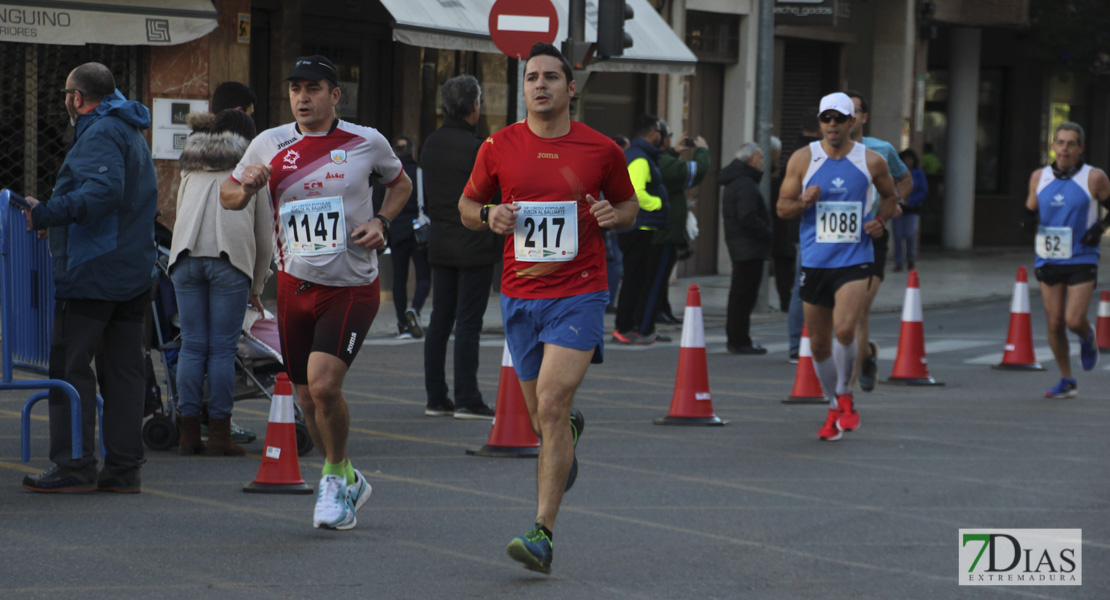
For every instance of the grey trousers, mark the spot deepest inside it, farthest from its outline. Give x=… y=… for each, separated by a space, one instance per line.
x=112 y=333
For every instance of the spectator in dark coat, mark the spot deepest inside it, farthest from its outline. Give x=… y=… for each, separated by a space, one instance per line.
x=404 y=246
x=462 y=259
x=682 y=169
x=747 y=225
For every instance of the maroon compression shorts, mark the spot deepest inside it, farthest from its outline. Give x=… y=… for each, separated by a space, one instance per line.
x=321 y=318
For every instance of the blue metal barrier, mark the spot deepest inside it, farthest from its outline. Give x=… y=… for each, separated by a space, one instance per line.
x=26 y=314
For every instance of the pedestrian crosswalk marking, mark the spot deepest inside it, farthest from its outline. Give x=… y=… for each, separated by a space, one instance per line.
x=937 y=347
x=715 y=344
x=1043 y=354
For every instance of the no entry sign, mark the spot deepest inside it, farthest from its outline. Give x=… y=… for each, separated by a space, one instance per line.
x=515 y=25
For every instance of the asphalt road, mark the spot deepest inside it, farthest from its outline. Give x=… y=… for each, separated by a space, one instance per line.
x=756 y=509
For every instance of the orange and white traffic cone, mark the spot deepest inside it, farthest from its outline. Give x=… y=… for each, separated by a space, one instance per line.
x=1019 y=354
x=1102 y=326
x=511 y=435
x=280 y=471
x=692 y=403
x=807 y=388
x=910 y=366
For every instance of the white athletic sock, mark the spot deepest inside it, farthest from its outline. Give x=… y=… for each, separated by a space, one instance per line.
x=826 y=374
x=845 y=359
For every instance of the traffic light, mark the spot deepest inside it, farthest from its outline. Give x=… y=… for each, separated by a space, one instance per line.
x=611 y=38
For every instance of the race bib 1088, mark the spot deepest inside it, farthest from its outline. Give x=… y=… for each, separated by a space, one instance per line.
x=839 y=222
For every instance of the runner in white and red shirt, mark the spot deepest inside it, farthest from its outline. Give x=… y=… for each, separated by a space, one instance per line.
x=554 y=289
x=316 y=174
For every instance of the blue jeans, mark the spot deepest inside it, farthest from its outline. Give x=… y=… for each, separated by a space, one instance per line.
x=905 y=232
x=796 y=317
x=614 y=264
x=212 y=298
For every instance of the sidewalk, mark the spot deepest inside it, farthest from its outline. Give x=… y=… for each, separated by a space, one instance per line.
x=947 y=278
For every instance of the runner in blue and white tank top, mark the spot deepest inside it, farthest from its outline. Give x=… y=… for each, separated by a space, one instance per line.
x=1065 y=196
x=1067 y=210
x=828 y=184
x=831 y=231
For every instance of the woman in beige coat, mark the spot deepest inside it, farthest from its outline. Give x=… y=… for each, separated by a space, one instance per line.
x=219 y=261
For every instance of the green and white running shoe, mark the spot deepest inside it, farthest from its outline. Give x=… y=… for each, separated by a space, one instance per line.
x=333 y=506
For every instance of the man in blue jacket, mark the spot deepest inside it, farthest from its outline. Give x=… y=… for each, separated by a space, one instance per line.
x=635 y=323
x=101 y=223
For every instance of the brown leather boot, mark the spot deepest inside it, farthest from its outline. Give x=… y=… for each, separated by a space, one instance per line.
x=219 y=439
x=189 y=443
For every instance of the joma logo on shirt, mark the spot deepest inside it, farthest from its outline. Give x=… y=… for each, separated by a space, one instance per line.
x=547 y=155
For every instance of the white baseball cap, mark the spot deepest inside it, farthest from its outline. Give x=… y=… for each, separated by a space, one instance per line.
x=840 y=102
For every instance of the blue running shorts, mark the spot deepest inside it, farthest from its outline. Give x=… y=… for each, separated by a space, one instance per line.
x=576 y=322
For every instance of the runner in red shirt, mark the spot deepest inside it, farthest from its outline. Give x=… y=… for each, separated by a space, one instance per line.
x=554 y=289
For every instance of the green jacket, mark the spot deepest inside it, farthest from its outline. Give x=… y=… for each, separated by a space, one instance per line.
x=678 y=176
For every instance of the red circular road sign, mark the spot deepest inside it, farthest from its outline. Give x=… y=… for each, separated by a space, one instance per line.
x=515 y=25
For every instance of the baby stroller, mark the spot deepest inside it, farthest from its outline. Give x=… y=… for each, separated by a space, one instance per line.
x=257 y=361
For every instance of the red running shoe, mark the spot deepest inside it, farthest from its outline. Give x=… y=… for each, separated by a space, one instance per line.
x=830 y=432
x=849 y=418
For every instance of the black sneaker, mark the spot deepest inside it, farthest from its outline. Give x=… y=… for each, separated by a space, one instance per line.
x=124 y=482
x=413 y=319
x=577 y=424
x=869 y=369
x=480 y=412
x=62 y=479
x=442 y=409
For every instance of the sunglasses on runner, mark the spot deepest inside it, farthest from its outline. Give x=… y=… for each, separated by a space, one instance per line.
x=831 y=116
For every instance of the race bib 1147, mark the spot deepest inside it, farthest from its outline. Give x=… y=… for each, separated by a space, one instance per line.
x=315 y=226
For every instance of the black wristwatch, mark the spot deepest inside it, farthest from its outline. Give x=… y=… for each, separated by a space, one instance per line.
x=484 y=214
x=385 y=227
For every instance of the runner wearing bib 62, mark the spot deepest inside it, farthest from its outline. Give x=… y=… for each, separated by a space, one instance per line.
x=316 y=173
x=1064 y=197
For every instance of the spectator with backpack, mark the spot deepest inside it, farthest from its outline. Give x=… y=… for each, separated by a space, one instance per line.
x=905 y=227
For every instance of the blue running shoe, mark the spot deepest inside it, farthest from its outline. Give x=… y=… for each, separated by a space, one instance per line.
x=533 y=550
x=577 y=424
x=1088 y=351
x=1067 y=388
x=359 y=491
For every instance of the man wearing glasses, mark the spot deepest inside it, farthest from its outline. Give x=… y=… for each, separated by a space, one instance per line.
x=828 y=183
x=101 y=222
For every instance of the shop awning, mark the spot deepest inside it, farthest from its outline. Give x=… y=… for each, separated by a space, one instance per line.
x=464 y=25
x=119 y=22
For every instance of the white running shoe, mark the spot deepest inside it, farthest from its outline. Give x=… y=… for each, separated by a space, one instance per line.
x=333 y=505
x=359 y=491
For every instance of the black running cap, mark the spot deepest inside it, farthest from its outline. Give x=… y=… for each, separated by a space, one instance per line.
x=314 y=68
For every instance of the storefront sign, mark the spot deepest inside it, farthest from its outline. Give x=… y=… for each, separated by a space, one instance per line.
x=170 y=128
x=810 y=12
